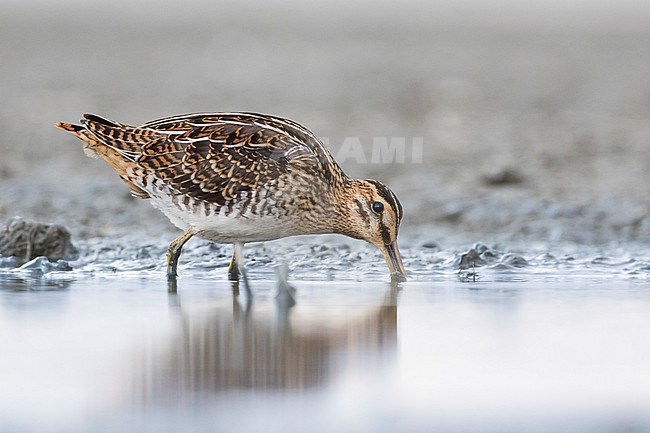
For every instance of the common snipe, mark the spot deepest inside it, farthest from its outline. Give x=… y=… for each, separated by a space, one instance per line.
x=243 y=177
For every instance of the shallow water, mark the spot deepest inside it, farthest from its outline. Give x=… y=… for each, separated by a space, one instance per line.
x=519 y=349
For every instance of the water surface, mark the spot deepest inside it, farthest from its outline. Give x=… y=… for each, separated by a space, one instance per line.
x=510 y=352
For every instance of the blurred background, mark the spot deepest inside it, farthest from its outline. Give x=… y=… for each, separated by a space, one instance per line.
x=534 y=116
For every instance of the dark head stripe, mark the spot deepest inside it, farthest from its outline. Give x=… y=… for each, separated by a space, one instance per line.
x=399 y=209
x=390 y=198
x=385 y=234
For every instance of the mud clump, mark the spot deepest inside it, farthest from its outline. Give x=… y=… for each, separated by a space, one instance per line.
x=43 y=265
x=482 y=255
x=27 y=240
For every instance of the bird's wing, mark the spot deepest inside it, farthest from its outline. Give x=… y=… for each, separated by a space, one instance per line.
x=215 y=156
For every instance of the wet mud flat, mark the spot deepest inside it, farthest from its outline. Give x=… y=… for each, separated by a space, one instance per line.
x=45 y=251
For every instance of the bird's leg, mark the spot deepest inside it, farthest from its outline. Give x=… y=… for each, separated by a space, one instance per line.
x=174 y=252
x=240 y=265
x=233 y=270
x=285 y=298
x=172 y=286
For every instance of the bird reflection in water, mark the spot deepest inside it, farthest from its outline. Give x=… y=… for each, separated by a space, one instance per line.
x=221 y=345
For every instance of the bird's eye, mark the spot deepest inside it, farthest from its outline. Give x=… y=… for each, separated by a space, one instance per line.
x=378 y=207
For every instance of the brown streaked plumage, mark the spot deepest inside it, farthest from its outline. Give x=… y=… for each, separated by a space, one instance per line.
x=243 y=177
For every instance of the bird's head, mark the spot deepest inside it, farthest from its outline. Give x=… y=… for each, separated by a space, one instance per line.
x=372 y=212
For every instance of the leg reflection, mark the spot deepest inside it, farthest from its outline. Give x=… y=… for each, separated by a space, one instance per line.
x=223 y=344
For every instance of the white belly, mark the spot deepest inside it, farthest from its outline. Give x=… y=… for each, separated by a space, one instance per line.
x=221 y=226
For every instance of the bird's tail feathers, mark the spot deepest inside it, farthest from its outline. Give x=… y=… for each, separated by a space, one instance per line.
x=81 y=132
x=70 y=127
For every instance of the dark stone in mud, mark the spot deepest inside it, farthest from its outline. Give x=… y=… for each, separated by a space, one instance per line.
x=513 y=260
x=505 y=176
x=432 y=245
x=469 y=259
x=482 y=248
x=482 y=255
x=27 y=240
x=479 y=255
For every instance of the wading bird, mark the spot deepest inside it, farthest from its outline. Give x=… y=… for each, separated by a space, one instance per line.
x=243 y=177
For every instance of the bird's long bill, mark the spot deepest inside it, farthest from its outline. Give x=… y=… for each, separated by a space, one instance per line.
x=394 y=261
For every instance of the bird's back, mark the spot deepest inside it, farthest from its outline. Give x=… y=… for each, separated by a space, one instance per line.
x=229 y=164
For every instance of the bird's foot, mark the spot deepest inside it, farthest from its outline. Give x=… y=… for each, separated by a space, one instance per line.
x=233 y=272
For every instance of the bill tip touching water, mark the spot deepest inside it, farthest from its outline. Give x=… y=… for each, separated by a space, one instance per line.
x=237 y=178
